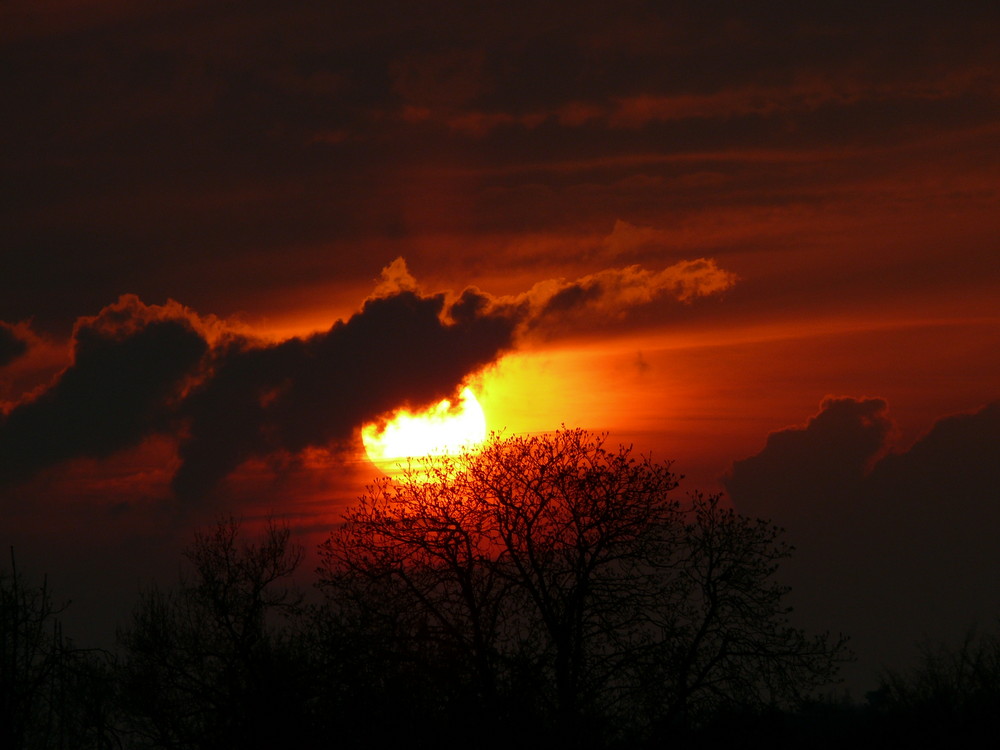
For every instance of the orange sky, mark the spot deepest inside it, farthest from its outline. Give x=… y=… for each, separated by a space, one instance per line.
x=685 y=226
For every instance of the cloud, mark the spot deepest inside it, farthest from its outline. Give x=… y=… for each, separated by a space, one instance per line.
x=400 y=349
x=626 y=238
x=806 y=93
x=801 y=470
x=938 y=499
x=561 y=306
x=226 y=397
x=891 y=546
x=395 y=278
x=596 y=300
x=129 y=362
x=12 y=346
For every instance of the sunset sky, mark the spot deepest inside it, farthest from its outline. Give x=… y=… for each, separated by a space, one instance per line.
x=761 y=240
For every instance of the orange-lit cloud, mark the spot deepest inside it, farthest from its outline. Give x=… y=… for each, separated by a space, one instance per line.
x=807 y=93
x=126 y=374
x=395 y=278
x=683 y=223
x=140 y=370
x=612 y=293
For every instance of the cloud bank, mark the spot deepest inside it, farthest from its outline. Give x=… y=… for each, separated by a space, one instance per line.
x=892 y=546
x=142 y=370
x=126 y=372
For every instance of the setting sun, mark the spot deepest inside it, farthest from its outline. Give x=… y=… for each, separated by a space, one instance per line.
x=440 y=430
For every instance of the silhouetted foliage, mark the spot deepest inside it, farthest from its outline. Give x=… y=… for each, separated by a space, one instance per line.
x=953 y=695
x=550 y=584
x=211 y=664
x=52 y=695
x=543 y=590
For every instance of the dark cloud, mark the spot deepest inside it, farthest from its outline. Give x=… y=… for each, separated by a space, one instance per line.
x=143 y=369
x=572 y=296
x=937 y=508
x=12 y=346
x=802 y=471
x=404 y=348
x=398 y=350
x=125 y=372
x=891 y=546
x=138 y=370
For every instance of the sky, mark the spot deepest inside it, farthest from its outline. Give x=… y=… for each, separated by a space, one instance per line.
x=759 y=240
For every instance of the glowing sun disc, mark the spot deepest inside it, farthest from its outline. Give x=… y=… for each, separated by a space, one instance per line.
x=440 y=430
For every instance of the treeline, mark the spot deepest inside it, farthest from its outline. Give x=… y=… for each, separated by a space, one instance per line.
x=543 y=591
x=192 y=673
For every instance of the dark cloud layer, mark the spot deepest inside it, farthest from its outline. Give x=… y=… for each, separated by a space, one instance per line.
x=140 y=370
x=118 y=390
x=261 y=159
x=132 y=125
x=12 y=346
x=891 y=546
x=317 y=391
x=804 y=474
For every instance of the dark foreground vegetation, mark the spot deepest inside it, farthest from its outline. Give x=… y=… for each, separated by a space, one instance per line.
x=545 y=591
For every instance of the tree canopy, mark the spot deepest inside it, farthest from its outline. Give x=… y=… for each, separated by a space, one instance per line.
x=554 y=575
x=214 y=663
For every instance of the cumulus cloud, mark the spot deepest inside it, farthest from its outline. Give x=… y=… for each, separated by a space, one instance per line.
x=126 y=370
x=129 y=315
x=892 y=546
x=403 y=348
x=317 y=391
x=801 y=470
x=558 y=305
x=395 y=278
x=140 y=370
x=938 y=500
x=225 y=397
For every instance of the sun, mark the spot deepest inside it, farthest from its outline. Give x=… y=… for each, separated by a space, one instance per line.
x=440 y=430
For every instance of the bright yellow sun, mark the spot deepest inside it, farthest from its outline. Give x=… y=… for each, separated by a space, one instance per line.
x=440 y=430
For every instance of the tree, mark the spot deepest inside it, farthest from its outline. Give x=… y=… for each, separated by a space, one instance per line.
x=212 y=663
x=550 y=571
x=950 y=698
x=52 y=694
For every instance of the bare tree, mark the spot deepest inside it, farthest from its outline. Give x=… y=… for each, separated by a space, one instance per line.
x=28 y=652
x=52 y=694
x=209 y=663
x=724 y=637
x=551 y=570
x=949 y=699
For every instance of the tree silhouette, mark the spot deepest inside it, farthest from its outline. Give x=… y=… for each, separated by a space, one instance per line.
x=211 y=664
x=52 y=694
x=549 y=575
x=29 y=650
x=950 y=698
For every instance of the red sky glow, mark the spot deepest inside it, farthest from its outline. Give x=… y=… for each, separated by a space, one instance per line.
x=762 y=241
